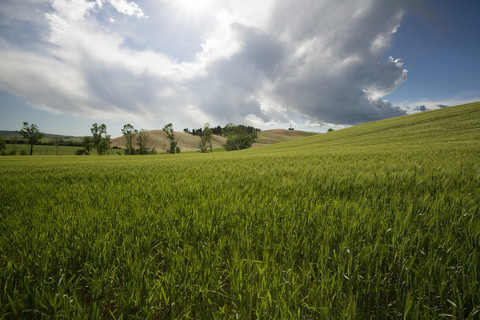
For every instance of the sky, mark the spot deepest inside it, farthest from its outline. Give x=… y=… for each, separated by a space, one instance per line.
x=310 y=64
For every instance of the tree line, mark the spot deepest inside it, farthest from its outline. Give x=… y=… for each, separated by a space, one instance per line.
x=219 y=131
x=238 y=137
x=136 y=140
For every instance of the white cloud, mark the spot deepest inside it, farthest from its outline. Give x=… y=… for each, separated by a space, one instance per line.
x=319 y=59
x=40 y=76
x=128 y=8
x=433 y=104
x=72 y=9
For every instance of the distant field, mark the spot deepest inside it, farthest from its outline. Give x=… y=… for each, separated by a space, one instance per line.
x=42 y=149
x=377 y=221
x=46 y=138
x=268 y=137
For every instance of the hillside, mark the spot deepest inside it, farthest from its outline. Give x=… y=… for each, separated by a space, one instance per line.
x=273 y=136
x=453 y=126
x=187 y=142
x=8 y=133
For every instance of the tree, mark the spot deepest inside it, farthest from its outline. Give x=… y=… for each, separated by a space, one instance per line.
x=32 y=134
x=239 y=137
x=197 y=132
x=101 y=140
x=129 y=132
x=106 y=143
x=168 y=129
x=217 y=130
x=87 y=144
x=3 y=146
x=239 y=142
x=229 y=129
x=330 y=130
x=142 y=138
x=206 y=138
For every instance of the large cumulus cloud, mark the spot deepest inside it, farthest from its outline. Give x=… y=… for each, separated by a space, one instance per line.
x=322 y=60
x=334 y=71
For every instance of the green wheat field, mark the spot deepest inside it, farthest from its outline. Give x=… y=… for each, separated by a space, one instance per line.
x=376 y=221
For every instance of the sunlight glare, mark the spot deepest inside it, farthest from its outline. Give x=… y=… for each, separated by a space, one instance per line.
x=193 y=8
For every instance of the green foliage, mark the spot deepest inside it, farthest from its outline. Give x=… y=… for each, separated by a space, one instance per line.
x=142 y=138
x=377 y=221
x=32 y=134
x=168 y=129
x=3 y=146
x=206 y=139
x=101 y=140
x=87 y=144
x=218 y=130
x=239 y=137
x=129 y=133
x=80 y=152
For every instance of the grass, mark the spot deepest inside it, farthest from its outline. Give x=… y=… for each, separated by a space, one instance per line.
x=375 y=221
x=278 y=135
x=42 y=149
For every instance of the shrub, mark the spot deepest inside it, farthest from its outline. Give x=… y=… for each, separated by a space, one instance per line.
x=239 y=142
x=80 y=152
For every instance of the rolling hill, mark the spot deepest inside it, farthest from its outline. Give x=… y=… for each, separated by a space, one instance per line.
x=187 y=142
x=449 y=127
x=273 y=136
x=158 y=140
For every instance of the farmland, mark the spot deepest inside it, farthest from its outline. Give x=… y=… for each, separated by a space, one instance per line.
x=381 y=220
x=42 y=149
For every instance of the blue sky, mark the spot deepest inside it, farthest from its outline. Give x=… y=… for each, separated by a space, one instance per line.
x=440 y=49
x=65 y=64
